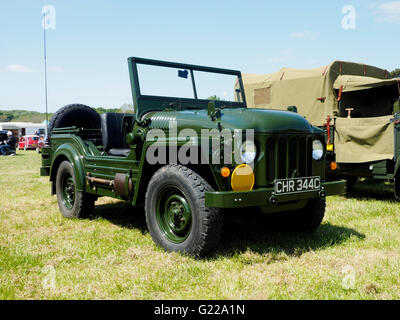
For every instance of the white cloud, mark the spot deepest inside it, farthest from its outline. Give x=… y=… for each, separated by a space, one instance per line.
x=388 y=12
x=19 y=68
x=56 y=69
x=305 y=35
x=282 y=57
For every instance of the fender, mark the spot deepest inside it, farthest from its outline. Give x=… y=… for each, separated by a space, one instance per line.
x=69 y=151
x=143 y=163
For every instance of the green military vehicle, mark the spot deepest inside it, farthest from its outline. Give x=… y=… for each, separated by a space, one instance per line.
x=355 y=104
x=188 y=155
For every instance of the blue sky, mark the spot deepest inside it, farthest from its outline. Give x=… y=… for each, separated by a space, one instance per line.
x=88 y=49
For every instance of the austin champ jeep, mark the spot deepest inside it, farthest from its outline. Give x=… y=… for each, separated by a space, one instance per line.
x=189 y=150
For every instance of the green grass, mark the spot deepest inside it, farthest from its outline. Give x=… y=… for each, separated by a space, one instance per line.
x=113 y=257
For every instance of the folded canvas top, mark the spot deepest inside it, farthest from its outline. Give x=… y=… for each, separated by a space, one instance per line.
x=355 y=83
x=364 y=140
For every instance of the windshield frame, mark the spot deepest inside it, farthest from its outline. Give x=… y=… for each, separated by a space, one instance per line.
x=147 y=103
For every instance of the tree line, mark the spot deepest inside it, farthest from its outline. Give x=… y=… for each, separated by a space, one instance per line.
x=39 y=117
x=395 y=73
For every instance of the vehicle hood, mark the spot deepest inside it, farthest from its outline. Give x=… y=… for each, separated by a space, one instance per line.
x=261 y=120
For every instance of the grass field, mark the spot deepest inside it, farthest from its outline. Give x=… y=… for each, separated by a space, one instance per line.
x=354 y=255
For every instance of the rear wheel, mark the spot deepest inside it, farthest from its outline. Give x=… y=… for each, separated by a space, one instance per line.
x=72 y=203
x=176 y=214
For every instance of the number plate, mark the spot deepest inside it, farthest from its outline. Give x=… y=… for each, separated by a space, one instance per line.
x=296 y=185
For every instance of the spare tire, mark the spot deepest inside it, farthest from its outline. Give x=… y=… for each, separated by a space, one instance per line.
x=77 y=115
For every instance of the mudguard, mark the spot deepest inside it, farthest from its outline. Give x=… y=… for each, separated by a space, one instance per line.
x=71 y=153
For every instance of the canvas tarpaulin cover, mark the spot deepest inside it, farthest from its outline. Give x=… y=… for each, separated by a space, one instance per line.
x=361 y=140
x=311 y=91
x=356 y=83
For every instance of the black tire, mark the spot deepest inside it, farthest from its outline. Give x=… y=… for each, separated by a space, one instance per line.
x=205 y=228
x=8 y=151
x=397 y=187
x=79 y=205
x=351 y=182
x=77 y=115
x=308 y=219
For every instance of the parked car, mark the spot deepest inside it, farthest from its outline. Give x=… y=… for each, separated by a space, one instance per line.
x=30 y=142
x=3 y=135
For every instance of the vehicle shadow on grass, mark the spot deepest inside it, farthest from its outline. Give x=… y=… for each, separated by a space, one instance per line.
x=262 y=235
x=122 y=214
x=372 y=191
x=267 y=236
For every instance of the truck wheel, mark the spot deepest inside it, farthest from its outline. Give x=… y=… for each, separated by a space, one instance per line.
x=77 y=115
x=176 y=215
x=397 y=187
x=351 y=182
x=308 y=219
x=72 y=203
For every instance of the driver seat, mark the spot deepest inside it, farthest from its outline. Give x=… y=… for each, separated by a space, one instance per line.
x=111 y=132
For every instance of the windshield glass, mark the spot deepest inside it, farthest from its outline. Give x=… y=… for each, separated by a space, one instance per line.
x=215 y=86
x=184 y=83
x=164 y=82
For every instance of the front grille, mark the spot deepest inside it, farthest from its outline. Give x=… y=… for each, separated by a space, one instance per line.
x=288 y=156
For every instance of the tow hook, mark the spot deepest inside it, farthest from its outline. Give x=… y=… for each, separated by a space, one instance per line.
x=322 y=193
x=273 y=200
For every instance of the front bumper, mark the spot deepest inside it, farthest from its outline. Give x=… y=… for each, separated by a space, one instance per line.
x=266 y=196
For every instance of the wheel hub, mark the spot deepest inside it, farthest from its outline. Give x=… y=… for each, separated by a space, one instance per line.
x=69 y=192
x=174 y=215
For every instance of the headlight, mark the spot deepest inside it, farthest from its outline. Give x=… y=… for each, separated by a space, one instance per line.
x=318 y=150
x=248 y=151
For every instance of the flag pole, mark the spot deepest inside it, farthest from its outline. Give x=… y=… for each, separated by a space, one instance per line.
x=45 y=71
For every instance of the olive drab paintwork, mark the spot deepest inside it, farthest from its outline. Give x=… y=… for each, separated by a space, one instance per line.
x=284 y=143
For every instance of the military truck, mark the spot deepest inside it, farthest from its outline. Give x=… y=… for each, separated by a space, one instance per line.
x=355 y=104
x=261 y=160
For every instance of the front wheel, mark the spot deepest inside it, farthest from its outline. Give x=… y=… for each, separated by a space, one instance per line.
x=72 y=203
x=308 y=219
x=176 y=215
